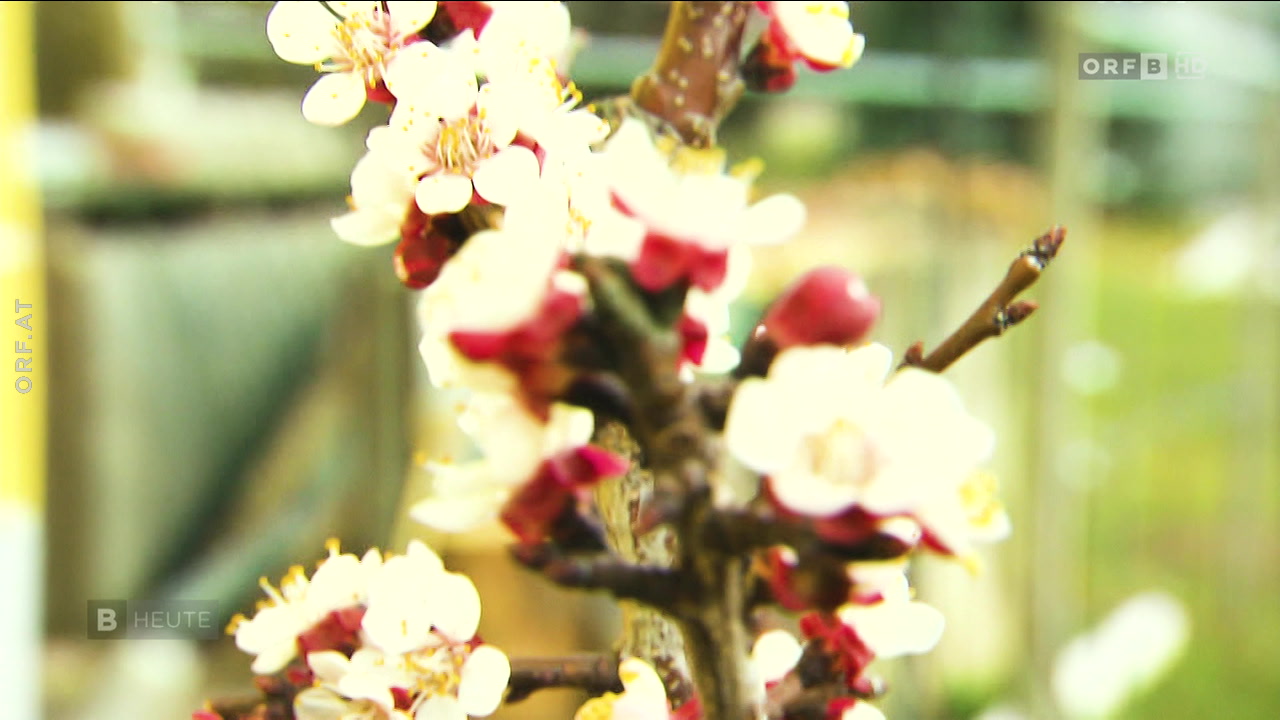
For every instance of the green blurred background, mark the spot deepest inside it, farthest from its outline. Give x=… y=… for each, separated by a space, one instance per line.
x=232 y=385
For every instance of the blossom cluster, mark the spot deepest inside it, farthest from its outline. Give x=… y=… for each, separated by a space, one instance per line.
x=499 y=189
x=382 y=637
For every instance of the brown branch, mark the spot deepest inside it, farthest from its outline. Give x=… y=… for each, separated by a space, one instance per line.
x=274 y=702
x=737 y=531
x=657 y=587
x=695 y=80
x=595 y=673
x=998 y=312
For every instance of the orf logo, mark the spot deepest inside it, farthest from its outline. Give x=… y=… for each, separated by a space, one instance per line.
x=1110 y=66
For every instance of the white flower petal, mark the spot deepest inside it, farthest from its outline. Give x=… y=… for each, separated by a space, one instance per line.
x=272 y=636
x=433 y=80
x=365 y=228
x=774 y=219
x=459 y=513
x=484 y=678
x=870 y=364
x=502 y=107
x=569 y=427
x=757 y=430
x=329 y=666
x=348 y=9
x=455 y=606
x=820 y=30
x=862 y=711
x=362 y=686
x=440 y=707
x=338 y=583
x=316 y=703
x=397 y=628
x=375 y=184
x=644 y=695
x=774 y=654
x=504 y=177
x=300 y=31
x=334 y=99
x=410 y=16
x=814 y=495
x=443 y=193
x=892 y=629
x=425 y=561
x=572 y=132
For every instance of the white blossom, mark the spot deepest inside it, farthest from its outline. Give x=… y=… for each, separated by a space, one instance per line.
x=455 y=135
x=379 y=198
x=362 y=679
x=643 y=696
x=713 y=309
x=497 y=280
x=862 y=711
x=820 y=31
x=341 y=581
x=414 y=603
x=696 y=204
x=514 y=443
x=515 y=33
x=831 y=433
x=895 y=624
x=774 y=654
x=354 y=50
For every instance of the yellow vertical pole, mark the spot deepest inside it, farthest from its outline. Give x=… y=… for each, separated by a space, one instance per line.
x=24 y=372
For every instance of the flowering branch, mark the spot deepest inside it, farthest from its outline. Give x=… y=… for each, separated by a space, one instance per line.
x=576 y=273
x=998 y=312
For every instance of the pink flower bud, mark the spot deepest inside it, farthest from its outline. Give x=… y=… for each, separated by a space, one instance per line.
x=828 y=305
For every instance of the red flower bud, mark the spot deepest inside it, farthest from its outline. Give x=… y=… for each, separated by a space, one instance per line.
x=768 y=68
x=426 y=242
x=828 y=305
x=454 y=16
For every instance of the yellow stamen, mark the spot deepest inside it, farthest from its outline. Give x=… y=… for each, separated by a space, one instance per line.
x=598 y=708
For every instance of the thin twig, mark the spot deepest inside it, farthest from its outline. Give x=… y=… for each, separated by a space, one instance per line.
x=595 y=673
x=998 y=312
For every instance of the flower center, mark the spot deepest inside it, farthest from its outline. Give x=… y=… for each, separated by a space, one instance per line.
x=978 y=497
x=435 y=672
x=461 y=145
x=598 y=708
x=843 y=454
x=366 y=42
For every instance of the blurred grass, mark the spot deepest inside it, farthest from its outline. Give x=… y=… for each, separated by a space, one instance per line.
x=1163 y=514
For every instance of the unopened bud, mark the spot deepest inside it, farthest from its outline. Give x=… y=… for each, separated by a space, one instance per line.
x=767 y=68
x=826 y=306
x=426 y=243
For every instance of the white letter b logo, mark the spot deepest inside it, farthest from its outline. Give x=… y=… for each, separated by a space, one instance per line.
x=106 y=620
